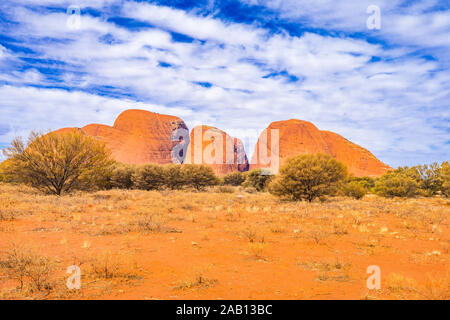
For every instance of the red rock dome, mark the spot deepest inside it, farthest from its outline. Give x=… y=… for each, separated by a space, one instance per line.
x=298 y=137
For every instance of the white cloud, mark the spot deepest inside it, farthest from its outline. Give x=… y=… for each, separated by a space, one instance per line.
x=204 y=28
x=402 y=22
x=385 y=106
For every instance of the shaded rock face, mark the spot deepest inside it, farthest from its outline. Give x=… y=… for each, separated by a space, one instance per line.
x=139 y=137
x=214 y=147
x=296 y=137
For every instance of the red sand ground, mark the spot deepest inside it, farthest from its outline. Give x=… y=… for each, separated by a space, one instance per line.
x=188 y=245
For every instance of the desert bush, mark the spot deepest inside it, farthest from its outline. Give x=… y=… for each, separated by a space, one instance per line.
x=109 y=265
x=175 y=177
x=59 y=162
x=428 y=177
x=149 y=177
x=199 y=176
x=6 y=168
x=396 y=184
x=367 y=182
x=31 y=271
x=234 y=179
x=258 y=179
x=121 y=176
x=445 y=173
x=354 y=189
x=151 y=224
x=307 y=177
x=250 y=234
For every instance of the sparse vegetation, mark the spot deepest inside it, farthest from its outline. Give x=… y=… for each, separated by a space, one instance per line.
x=131 y=241
x=199 y=283
x=31 y=271
x=108 y=265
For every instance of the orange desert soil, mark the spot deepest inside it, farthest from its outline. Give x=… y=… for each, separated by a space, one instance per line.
x=208 y=245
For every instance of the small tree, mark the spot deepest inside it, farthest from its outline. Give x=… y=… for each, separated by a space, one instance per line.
x=149 y=177
x=307 y=177
x=258 y=179
x=174 y=176
x=234 y=179
x=199 y=176
x=396 y=184
x=59 y=162
x=122 y=176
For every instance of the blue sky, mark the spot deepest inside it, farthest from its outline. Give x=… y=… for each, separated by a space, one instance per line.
x=236 y=65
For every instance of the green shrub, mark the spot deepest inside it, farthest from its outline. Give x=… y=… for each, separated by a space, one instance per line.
x=6 y=174
x=307 y=177
x=258 y=179
x=174 y=176
x=122 y=176
x=396 y=184
x=428 y=178
x=354 y=189
x=149 y=177
x=199 y=176
x=234 y=179
x=367 y=182
x=59 y=162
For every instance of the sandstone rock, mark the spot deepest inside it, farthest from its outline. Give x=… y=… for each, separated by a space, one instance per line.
x=140 y=137
x=214 y=147
x=298 y=137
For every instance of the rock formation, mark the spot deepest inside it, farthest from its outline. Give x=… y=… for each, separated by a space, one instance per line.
x=139 y=137
x=214 y=147
x=298 y=137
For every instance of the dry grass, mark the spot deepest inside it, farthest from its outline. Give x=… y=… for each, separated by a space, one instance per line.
x=199 y=282
x=137 y=244
x=109 y=265
x=31 y=271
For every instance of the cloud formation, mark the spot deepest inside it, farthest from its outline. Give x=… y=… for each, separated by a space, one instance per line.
x=386 y=90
